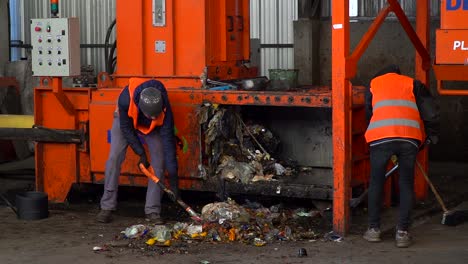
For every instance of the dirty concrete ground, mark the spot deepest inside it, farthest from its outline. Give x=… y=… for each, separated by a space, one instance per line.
x=70 y=233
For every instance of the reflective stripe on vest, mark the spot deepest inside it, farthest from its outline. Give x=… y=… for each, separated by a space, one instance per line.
x=394 y=122
x=133 y=108
x=405 y=103
x=395 y=112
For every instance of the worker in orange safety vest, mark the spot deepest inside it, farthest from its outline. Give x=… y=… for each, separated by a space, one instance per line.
x=143 y=114
x=402 y=116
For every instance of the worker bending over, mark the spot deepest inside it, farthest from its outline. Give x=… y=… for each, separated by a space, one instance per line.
x=401 y=112
x=143 y=113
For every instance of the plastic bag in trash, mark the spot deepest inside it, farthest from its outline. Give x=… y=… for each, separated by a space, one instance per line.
x=194 y=229
x=220 y=212
x=161 y=233
x=135 y=231
x=179 y=226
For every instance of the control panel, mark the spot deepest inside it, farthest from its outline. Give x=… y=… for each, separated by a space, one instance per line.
x=55 y=46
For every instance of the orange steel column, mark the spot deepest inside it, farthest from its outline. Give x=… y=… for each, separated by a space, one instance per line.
x=341 y=116
x=422 y=29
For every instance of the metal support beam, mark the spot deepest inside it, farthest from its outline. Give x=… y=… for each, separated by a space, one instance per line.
x=422 y=73
x=420 y=47
x=365 y=41
x=341 y=117
x=61 y=97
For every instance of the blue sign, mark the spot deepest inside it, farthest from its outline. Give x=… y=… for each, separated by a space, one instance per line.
x=453 y=5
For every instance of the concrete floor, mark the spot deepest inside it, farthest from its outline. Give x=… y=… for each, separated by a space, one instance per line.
x=70 y=234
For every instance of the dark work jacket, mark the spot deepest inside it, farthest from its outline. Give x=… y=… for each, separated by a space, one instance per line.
x=427 y=108
x=166 y=130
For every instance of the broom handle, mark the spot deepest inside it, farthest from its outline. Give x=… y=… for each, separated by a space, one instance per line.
x=439 y=199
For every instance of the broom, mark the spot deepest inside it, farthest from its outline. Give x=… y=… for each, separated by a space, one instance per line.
x=450 y=217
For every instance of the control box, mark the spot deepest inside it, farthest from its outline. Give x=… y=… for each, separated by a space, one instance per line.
x=55 y=46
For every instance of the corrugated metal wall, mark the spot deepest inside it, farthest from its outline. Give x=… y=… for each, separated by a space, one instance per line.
x=95 y=17
x=272 y=23
x=370 y=8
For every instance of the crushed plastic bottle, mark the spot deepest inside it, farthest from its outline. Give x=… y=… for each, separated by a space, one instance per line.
x=135 y=231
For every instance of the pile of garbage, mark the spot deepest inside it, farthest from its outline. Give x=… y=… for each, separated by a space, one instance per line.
x=227 y=222
x=240 y=151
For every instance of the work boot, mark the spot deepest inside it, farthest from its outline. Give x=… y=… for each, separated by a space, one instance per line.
x=372 y=235
x=402 y=239
x=154 y=218
x=104 y=216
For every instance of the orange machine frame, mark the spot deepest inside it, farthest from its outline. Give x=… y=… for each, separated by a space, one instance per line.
x=451 y=58
x=200 y=25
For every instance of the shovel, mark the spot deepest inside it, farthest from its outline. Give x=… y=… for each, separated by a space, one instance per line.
x=151 y=175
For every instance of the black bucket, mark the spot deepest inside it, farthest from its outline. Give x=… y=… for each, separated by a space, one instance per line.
x=32 y=205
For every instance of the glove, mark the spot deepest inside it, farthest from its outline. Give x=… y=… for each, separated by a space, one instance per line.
x=432 y=140
x=144 y=161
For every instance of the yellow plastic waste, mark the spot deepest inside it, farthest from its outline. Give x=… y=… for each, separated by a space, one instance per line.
x=177 y=235
x=232 y=234
x=151 y=241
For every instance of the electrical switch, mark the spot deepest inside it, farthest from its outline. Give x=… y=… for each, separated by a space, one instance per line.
x=38 y=29
x=48 y=28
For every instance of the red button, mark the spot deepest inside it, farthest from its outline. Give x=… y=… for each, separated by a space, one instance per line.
x=37 y=29
x=40 y=40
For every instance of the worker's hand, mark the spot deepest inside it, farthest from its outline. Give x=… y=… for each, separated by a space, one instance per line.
x=432 y=140
x=172 y=195
x=144 y=161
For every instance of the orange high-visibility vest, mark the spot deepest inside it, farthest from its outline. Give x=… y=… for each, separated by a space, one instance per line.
x=395 y=112
x=133 y=108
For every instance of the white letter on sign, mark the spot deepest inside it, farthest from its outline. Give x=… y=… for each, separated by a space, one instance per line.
x=456 y=44
x=463 y=46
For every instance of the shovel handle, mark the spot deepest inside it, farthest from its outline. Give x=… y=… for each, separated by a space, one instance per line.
x=149 y=173
x=436 y=193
